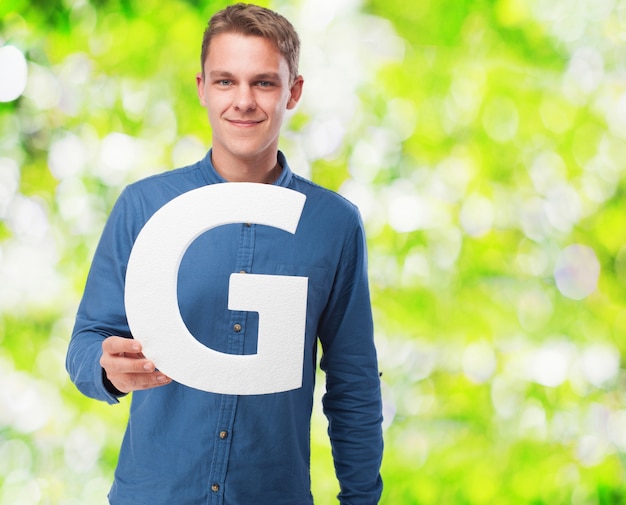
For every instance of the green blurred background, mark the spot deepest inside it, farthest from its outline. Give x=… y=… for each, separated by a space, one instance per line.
x=485 y=144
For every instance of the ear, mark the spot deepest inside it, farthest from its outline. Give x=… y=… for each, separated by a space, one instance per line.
x=200 y=86
x=295 y=92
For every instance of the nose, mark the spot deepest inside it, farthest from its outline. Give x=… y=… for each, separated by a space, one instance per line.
x=244 y=98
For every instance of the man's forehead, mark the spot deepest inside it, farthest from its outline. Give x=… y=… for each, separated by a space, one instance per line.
x=252 y=54
x=227 y=39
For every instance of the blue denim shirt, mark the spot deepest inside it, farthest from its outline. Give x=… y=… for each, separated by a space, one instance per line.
x=184 y=446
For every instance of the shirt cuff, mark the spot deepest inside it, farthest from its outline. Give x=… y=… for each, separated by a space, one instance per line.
x=108 y=385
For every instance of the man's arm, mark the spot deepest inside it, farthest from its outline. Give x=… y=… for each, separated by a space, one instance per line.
x=352 y=402
x=102 y=359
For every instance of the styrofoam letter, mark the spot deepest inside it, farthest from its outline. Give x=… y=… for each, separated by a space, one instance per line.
x=152 y=303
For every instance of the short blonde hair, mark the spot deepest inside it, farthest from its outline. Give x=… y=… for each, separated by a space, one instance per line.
x=253 y=20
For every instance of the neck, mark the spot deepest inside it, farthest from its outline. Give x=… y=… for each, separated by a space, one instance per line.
x=264 y=171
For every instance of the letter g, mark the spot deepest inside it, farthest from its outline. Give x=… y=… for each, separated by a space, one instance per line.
x=151 y=293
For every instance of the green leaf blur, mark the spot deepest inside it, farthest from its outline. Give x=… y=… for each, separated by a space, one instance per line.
x=484 y=142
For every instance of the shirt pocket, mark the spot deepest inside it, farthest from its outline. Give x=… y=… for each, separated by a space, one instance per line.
x=319 y=285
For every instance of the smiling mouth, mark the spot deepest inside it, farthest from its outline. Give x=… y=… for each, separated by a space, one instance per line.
x=241 y=122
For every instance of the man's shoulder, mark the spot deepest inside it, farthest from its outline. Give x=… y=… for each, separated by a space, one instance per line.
x=324 y=196
x=149 y=194
x=183 y=178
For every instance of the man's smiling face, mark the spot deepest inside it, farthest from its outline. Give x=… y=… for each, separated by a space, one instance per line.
x=246 y=90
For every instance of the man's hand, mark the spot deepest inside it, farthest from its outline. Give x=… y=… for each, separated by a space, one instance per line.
x=127 y=368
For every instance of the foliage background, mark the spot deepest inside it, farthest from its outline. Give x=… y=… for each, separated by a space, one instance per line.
x=484 y=143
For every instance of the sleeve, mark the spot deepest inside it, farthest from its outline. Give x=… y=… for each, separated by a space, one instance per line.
x=352 y=402
x=101 y=312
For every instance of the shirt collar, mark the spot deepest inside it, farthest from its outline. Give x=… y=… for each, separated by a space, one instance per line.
x=213 y=177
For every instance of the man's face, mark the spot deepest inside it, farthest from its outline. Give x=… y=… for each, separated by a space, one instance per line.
x=246 y=90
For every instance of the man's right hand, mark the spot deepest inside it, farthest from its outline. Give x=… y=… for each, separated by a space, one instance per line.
x=127 y=368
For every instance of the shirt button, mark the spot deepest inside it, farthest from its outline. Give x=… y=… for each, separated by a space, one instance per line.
x=237 y=328
x=248 y=225
x=223 y=434
x=242 y=272
x=215 y=488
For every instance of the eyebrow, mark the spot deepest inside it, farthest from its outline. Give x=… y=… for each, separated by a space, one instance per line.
x=223 y=74
x=268 y=76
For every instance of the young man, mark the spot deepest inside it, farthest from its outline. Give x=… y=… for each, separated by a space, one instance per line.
x=184 y=446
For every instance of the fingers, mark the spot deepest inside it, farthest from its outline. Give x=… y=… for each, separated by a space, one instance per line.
x=118 y=345
x=135 y=382
x=123 y=355
x=127 y=368
x=121 y=363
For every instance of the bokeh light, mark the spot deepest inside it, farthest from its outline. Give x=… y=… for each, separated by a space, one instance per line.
x=13 y=73
x=577 y=271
